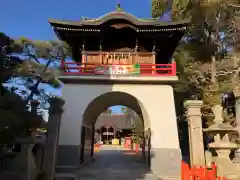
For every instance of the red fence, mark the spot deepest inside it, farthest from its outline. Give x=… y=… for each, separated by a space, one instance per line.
x=97 y=147
x=73 y=68
x=199 y=173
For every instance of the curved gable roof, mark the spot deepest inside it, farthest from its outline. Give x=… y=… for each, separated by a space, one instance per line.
x=121 y=15
x=116 y=121
x=118 y=14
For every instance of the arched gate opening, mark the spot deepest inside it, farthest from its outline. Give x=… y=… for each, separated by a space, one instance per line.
x=99 y=105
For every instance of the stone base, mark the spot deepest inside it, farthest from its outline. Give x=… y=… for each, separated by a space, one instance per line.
x=68 y=155
x=68 y=158
x=166 y=163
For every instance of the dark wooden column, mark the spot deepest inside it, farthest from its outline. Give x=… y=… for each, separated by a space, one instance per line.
x=100 y=49
x=136 y=46
x=154 y=52
x=76 y=53
x=83 y=51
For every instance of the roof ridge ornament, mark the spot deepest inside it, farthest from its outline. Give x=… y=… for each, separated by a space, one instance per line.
x=83 y=18
x=118 y=7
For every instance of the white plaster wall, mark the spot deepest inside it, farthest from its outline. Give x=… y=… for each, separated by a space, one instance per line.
x=77 y=97
x=158 y=101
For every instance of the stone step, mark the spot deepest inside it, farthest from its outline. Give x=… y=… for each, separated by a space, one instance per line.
x=65 y=176
x=65 y=170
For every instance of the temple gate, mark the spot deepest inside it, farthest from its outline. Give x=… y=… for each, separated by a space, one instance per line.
x=120 y=60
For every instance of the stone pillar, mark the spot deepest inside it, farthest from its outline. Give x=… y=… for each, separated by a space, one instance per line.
x=236 y=81
x=53 y=126
x=24 y=164
x=237 y=106
x=196 y=146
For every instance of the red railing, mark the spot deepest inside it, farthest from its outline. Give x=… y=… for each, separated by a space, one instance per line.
x=74 y=68
x=199 y=173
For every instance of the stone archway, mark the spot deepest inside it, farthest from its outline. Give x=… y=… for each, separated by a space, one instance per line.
x=104 y=101
x=154 y=102
x=100 y=104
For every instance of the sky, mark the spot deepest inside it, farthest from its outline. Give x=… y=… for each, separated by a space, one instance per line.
x=29 y=18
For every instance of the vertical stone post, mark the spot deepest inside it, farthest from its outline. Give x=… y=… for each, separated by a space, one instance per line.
x=237 y=106
x=30 y=163
x=53 y=126
x=194 y=118
x=24 y=164
x=236 y=80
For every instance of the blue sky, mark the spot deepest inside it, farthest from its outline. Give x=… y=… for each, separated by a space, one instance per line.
x=30 y=18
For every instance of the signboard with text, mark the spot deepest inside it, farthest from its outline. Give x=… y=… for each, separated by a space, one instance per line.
x=118 y=69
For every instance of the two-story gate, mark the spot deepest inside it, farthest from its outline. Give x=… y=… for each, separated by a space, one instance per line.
x=120 y=59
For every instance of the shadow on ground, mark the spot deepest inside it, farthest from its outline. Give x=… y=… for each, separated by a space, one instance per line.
x=115 y=163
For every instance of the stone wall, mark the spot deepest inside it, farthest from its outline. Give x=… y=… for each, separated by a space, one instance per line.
x=85 y=100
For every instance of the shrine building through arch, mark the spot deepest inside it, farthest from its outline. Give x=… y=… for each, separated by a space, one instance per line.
x=99 y=105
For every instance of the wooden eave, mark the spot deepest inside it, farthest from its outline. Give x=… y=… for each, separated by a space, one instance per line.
x=77 y=29
x=151 y=25
x=138 y=22
x=89 y=29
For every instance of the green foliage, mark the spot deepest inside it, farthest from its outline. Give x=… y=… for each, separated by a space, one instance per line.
x=159 y=7
x=19 y=111
x=180 y=9
x=16 y=119
x=108 y=111
x=43 y=49
x=136 y=139
x=124 y=110
x=203 y=63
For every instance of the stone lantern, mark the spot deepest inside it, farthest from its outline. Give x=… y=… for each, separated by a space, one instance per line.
x=222 y=133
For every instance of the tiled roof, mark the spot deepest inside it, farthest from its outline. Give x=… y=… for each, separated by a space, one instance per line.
x=117 y=121
x=119 y=13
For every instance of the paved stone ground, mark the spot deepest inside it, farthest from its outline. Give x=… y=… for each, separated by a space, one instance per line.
x=115 y=163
